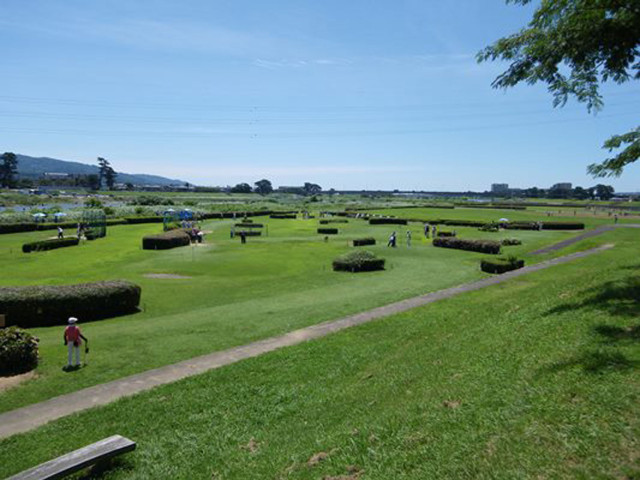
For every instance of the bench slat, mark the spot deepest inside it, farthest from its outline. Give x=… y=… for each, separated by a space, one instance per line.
x=78 y=459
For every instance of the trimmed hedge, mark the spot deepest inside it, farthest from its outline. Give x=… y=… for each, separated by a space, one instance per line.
x=490 y=227
x=500 y=264
x=463 y=223
x=562 y=226
x=154 y=219
x=360 y=242
x=387 y=221
x=18 y=351
x=511 y=241
x=249 y=233
x=41 y=306
x=17 y=227
x=249 y=225
x=445 y=233
x=482 y=246
x=358 y=261
x=328 y=231
x=521 y=226
x=166 y=240
x=335 y=220
x=283 y=216
x=49 y=244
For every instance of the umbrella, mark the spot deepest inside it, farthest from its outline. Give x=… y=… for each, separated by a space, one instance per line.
x=60 y=214
x=503 y=220
x=170 y=210
x=39 y=215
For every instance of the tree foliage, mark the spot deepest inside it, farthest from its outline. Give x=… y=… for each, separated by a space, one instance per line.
x=107 y=173
x=241 y=188
x=574 y=46
x=263 y=187
x=8 y=169
x=311 y=188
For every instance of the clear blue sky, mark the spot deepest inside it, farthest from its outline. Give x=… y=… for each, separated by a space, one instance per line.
x=348 y=94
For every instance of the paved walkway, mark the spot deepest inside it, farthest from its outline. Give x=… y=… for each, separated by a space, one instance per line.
x=591 y=233
x=32 y=416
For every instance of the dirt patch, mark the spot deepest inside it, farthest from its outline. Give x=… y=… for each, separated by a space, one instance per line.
x=451 y=403
x=317 y=458
x=252 y=446
x=9 y=382
x=167 y=276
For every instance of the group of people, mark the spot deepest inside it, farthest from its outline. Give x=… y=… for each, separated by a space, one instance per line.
x=428 y=229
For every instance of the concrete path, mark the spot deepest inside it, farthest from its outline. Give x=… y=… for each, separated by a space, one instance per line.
x=591 y=233
x=32 y=416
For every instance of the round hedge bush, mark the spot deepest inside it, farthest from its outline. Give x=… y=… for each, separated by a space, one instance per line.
x=358 y=261
x=18 y=351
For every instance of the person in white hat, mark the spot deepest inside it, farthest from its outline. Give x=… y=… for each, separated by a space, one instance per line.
x=72 y=339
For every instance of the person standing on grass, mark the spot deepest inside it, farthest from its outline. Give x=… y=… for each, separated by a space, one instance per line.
x=392 y=240
x=434 y=231
x=426 y=230
x=60 y=232
x=72 y=339
x=408 y=238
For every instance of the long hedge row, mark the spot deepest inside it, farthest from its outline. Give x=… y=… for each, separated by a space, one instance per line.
x=20 y=227
x=328 y=231
x=49 y=244
x=482 y=246
x=333 y=220
x=41 y=306
x=387 y=221
x=166 y=240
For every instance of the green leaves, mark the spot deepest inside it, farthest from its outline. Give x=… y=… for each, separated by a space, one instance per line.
x=574 y=46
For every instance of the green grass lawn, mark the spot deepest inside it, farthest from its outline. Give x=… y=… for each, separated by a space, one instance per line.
x=235 y=294
x=531 y=214
x=533 y=378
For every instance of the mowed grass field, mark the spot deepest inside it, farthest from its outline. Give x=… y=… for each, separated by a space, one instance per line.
x=234 y=293
x=533 y=378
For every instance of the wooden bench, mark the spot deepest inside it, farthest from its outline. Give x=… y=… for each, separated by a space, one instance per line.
x=78 y=459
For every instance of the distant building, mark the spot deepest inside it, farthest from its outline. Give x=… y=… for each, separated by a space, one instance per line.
x=562 y=186
x=500 y=188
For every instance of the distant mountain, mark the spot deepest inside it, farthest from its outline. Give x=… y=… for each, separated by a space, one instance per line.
x=34 y=167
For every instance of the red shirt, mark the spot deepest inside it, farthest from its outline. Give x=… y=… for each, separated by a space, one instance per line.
x=72 y=334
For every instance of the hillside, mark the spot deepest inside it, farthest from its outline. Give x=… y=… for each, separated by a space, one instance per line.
x=33 y=167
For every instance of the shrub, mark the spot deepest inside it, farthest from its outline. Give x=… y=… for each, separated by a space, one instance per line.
x=511 y=241
x=154 y=219
x=333 y=220
x=490 y=227
x=249 y=225
x=445 y=233
x=49 y=244
x=39 y=306
x=500 y=264
x=358 y=261
x=166 y=240
x=562 y=226
x=522 y=226
x=250 y=233
x=283 y=216
x=17 y=227
x=463 y=223
x=482 y=246
x=328 y=231
x=18 y=351
x=387 y=221
x=359 y=242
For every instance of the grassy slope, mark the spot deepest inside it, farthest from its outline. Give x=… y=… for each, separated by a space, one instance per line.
x=237 y=293
x=533 y=378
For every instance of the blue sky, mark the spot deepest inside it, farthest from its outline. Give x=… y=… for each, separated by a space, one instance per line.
x=360 y=94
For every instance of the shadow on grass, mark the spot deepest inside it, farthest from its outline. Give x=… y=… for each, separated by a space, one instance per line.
x=597 y=362
x=618 y=298
x=102 y=469
x=615 y=334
